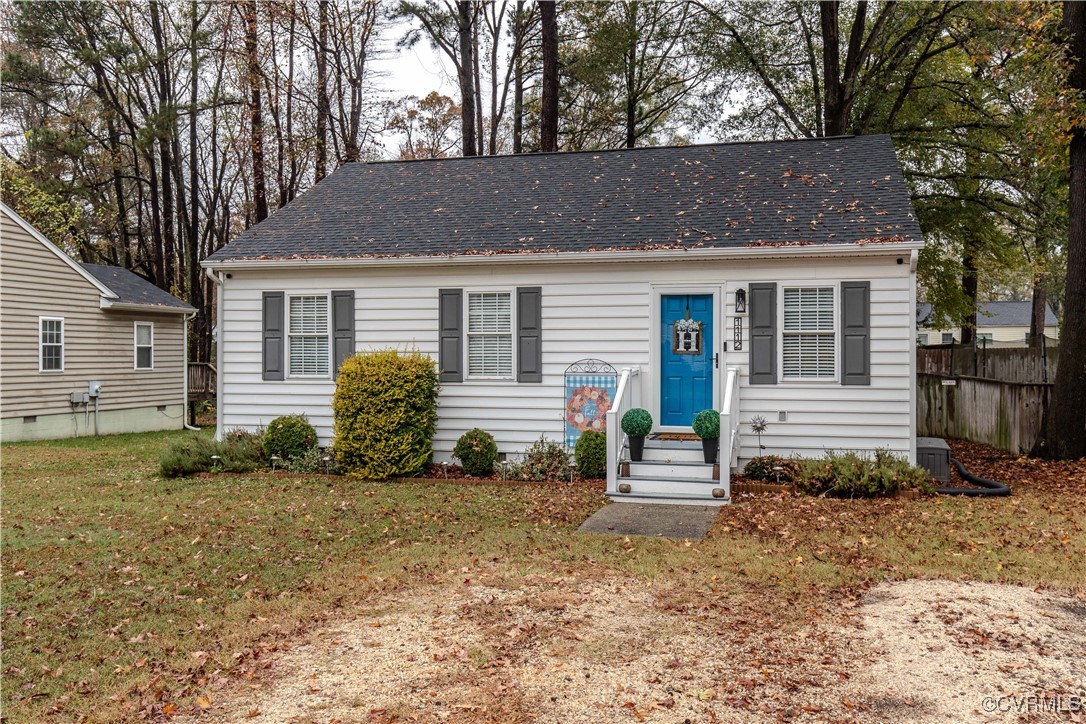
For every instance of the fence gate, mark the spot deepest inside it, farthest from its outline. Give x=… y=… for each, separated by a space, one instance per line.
x=590 y=389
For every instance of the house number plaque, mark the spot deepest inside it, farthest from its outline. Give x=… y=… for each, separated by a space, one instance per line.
x=737 y=334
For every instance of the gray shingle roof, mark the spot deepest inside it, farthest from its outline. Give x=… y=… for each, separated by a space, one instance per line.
x=820 y=191
x=131 y=289
x=996 y=314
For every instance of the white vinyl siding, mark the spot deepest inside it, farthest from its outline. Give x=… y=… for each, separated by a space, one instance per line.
x=490 y=335
x=308 y=348
x=600 y=310
x=51 y=344
x=144 y=346
x=808 y=333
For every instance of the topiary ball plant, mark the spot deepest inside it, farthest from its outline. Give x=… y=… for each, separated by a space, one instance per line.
x=637 y=422
x=289 y=437
x=477 y=452
x=707 y=427
x=707 y=424
x=591 y=454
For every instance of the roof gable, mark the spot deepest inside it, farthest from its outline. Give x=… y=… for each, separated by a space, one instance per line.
x=779 y=193
x=55 y=250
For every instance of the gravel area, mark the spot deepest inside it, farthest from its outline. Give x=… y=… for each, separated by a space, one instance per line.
x=948 y=651
x=608 y=651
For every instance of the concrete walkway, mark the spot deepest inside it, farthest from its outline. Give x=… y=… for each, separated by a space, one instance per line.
x=690 y=522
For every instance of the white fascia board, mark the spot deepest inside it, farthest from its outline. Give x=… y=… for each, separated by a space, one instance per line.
x=131 y=307
x=659 y=255
x=106 y=291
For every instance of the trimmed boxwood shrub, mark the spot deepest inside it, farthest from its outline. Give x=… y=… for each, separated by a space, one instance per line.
x=385 y=410
x=637 y=422
x=289 y=437
x=707 y=424
x=591 y=454
x=761 y=468
x=852 y=475
x=476 y=452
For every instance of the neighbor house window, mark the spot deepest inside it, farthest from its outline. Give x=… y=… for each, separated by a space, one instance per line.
x=490 y=334
x=808 y=343
x=145 y=346
x=948 y=338
x=985 y=339
x=51 y=344
x=308 y=330
x=922 y=339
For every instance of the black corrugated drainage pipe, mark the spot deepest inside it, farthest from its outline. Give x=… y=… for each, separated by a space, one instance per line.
x=987 y=487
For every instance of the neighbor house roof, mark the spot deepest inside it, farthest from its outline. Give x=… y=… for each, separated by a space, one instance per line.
x=995 y=314
x=133 y=290
x=847 y=190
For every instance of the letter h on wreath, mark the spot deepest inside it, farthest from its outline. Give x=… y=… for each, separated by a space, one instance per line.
x=686 y=337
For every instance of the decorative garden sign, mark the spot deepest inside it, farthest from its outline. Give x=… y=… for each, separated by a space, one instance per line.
x=590 y=389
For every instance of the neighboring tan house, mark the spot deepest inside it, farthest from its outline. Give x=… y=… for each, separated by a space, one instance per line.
x=771 y=280
x=999 y=324
x=65 y=326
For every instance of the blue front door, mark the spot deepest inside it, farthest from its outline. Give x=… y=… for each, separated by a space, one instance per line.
x=687 y=357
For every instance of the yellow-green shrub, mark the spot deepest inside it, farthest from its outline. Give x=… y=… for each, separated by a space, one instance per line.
x=385 y=410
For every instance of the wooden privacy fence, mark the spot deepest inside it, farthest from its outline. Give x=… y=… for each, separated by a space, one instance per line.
x=1006 y=415
x=1013 y=364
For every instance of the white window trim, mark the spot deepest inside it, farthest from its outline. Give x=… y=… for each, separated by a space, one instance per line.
x=287 y=335
x=821 y=284
x=512 y=292
x=41 y=347
x=136 y=346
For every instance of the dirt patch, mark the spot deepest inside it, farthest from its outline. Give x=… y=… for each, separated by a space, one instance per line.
x=577 y=650
x=551 y=650
x=944 y=651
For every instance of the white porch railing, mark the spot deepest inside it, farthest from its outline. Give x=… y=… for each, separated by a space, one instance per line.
x=624 y=400
x=729 y=430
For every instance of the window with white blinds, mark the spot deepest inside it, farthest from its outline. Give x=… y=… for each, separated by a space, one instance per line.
x=808 y=333
x=307 y=327
x=490 y=334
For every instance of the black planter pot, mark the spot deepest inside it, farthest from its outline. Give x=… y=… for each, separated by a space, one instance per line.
x=637 y=448
x=710 y=448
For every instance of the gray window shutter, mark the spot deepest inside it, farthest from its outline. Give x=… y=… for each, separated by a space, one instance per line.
x=342 y=327
x=529 y=334
x=272 y=325
x=856 y=333
x=763 y=333
x=450 y=350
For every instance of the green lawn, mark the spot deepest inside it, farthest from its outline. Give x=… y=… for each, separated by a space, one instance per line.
x=125 y=594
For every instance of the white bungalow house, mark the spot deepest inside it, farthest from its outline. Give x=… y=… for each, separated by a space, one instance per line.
x=84 y=348
x=999 y=324
x=795 y=261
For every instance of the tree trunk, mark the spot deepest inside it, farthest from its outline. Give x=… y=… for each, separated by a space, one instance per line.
x=1037 y=311
x=256 y=141
x=969 y=287
x=548 y=122
x=518 y=82
x=466 y=77
x=322 y=93
x=1065 y=426
x=831 y=67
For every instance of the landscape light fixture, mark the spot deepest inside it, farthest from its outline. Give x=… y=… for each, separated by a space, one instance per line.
x=274 y=459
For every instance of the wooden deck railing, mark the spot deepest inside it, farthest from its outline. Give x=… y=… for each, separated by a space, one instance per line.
x=201 y=381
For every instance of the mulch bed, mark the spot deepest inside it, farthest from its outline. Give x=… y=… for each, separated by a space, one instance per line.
x=1019 y=471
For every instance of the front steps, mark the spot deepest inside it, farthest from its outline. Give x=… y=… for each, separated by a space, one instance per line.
x=671 y=471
